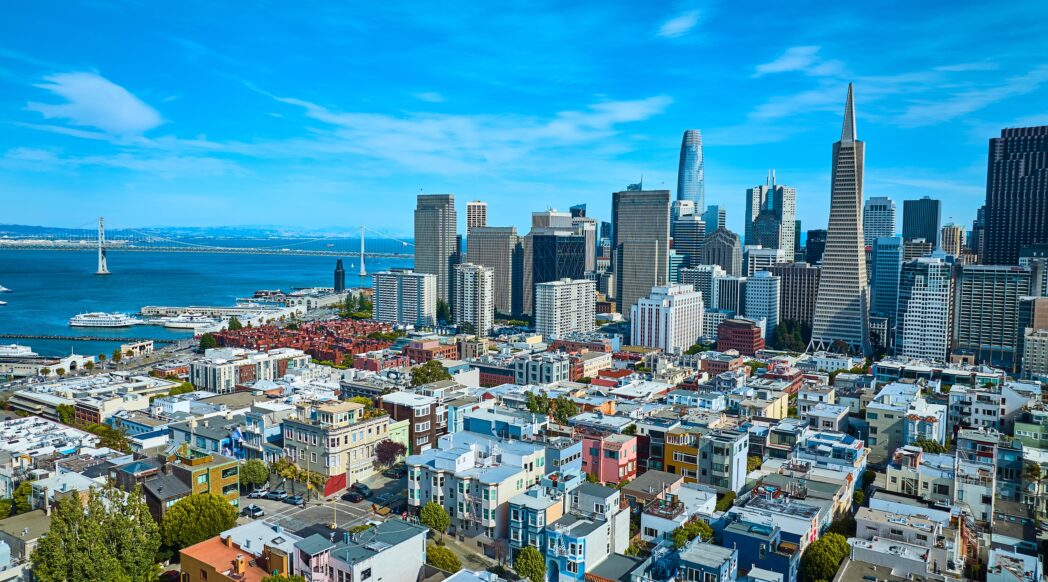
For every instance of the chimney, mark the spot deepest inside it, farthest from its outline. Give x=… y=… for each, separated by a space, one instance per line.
x=228 y=540
x=240 y=565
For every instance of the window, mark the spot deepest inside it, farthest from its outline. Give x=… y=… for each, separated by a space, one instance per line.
x=201 y=479
x=515 y=515
x=650 y=532
x=366 y=574
x=599 y=508
x=572 y=567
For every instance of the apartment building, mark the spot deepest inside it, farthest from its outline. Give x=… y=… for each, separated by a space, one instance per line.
x=595 y=528
x=529 y=513
x=427 y=417
x=716 y=458
x=897 y=416
x=206 y=473
x=222 y=370
x=609 y=458
x=564 y=307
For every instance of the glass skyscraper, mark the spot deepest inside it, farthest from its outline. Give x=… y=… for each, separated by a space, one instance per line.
x=691 y=175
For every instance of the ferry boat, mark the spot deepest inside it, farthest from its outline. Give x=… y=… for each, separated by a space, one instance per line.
x=100 y=319
x=16 y=351
x=188 y=321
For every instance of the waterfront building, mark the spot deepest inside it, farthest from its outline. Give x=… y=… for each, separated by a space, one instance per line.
x=474 y=305
x=640 y=243
x=763 y=292
x=771 y=211
x=691 y=173
x=986 y=314
x=878 y=219
x=403 y=297
x=723 y=247
x=952 y=237
x=340 y=277
x=925 y=300
x=815 y=246
x=436 y=240
x=921 y=219
x=799 y=283
x=564 y=307
x=476 y=216
x=669 y=319
x=499 y=248
x=841 y=308
x=885 y=265
x=1016 y=193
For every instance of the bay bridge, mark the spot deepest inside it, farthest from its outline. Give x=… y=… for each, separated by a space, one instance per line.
x=370 y=243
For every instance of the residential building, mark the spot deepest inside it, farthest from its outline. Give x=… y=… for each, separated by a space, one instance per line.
x=206 y=472
x=723 y=247
x=640 y=243
x=394 y=550
x=222 y=559
x=500 y=249
x=427 y=417
x=741 y=335
x=436 y=240
x=878 y=219
x=799 y=284
x=223 y=370
x=763 y=296
x=609 y=458
x=595 y=528
x=992 y=407
x=474 y=301
x=544 y=368
x=1035 y=353
x=403 y=297
x=762 y=546
x=669 y=319
x=476 y=216
x=921 y=219
x=529 y=513
x=898 y=416
x=708 y=562
x=716 y=458
x=925 y=309
x=691 y=177
x=565 y=307
x=986 y=314
x=841 y=308
x=1016 y=197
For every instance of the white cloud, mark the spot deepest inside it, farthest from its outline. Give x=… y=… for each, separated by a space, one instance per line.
x=679 y=25
x=94 y=101
x=800 y=58
x=430 y=97
x=947 y=108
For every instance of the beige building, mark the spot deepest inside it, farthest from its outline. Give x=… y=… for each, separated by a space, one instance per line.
x=337 y=439
x=766 y=404
x=927 y=476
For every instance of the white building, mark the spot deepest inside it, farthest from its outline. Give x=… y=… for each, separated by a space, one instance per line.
x=702 y=278
x=878 y=218
x=759 y=258
x=474 y=297
x=405 y=297
x=925 y=301
x=669 y=319
x=565 y=306
x=762 y=292
x=223 y=369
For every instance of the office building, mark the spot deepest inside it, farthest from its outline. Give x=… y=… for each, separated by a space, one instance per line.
x=688 y=233
x=681 y=208
x=723 y=247
x=564 y=307
x=1016 y=193
x=558 y=255
x=436 y=239
x=978 y=237
x=1035 y=353
x=841 y=309
x=499 y=248
x=925 y=309
x=340 y=277
x=587 y=229
x=1033 y=316
x=1035 y=258
x=473 y=304
x=878 y=219
x=701 y=278
x=640 y=243
x=986 y=314
x=763 y=294
x=729 y=293
x=921 y=219
x=916 y=248
x=669 y=319
x=476 y=215
x=715 y=217
x=691 y=171
x=741 y=335
x=885 y=264
x=762 y=259
x=798 y=287
x=771 y=212
x=815 y=246
x=952 y=237
x=577 y=211
x=403 y=297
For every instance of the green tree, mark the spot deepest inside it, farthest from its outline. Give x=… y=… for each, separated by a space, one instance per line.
x=183 y=388
x=930 y=446
x=21 y=497
x=283 y=578
x=443 y=311
x=60 y=371
x=592 y=478
x=859 y=497
x=844 y=526
x=196 y=518
x=443 y=558
x=530 y=564
x=89 y=366
x=467 y=328
x=66 y=414
x=208 y=342
x=695 y=528
x=753 y=462
x=823 y=557
x=363 y=400
x=431 y=371
x=435 y=517
x=234 y=324
x=697 y=349
x=725 y=502
x=45 y=371
x=5 y=508
x=791 y=335
x=868 y=476
x=117 y=356
x=253 y=473
x=350 y=304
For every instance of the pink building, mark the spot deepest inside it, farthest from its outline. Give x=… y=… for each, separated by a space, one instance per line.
x=611 y=458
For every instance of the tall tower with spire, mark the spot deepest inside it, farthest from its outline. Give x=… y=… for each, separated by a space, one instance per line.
x=841 y=321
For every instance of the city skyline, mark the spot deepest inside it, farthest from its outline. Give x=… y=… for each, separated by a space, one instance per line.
x=102 y=130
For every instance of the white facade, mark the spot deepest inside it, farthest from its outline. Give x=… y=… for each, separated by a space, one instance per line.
x=474 y=297
x=878 y=218
x=476 y=215
x=565 y=306
x=669 y=319
x=405 y=297
x=762 y=259
x=701 y=277
x=763 y=291
x=925 y=299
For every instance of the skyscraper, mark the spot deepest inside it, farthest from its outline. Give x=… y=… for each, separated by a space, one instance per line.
x=800 y=284
x=715 y=217
x=723 y=247
x=691 y=174
x=405 y=298
x=921 y=218
x=640 y=243
x=578 y=211
x=557 y=256
x=563 y=307
x=701 y=278
x=763 y=294
x=473 y=297
x=1016 y=193
x=340 y=277
x=476 y=215
x=669 y=319
x=771 y=211
x=878 y=218
x=587 y=228
x=842 y=318
x=986 y=313
x=436 y=239
x=758 y=258
x=978 y=238
x=689 y=232
x=886 y=263
x=815 y=246
x=952 y=239
x=499 y=248
x=925 y=305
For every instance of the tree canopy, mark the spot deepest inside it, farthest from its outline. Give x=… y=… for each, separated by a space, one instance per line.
x=196 y=518
x=753 y=462
x=435 y=517
x=431 y=371
x=530 y=564
x=791 y=335
x=930 y=446
x=21 y=497
x=443 y=311
x=443 y=558
x=234 y=324
x=559 y=409
x=823 y=557
x=725 y=502
x=207 y=342
x=695 y=528
x=284 y=578
x=387 y=452
x=253 y=473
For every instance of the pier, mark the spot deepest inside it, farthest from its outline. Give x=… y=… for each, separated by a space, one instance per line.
x=86 y=338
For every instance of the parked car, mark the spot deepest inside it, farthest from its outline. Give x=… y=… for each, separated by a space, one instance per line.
x=362 y=489
x=258 y=493
x=295 y=500
x=278 y=495
x=252 y=511
x=353 y=497
x=395 y=472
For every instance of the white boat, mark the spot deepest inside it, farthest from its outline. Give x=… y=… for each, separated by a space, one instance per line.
x=4 y=289
x=3 y=303
x=100 y=319
x=16 y=351
x=188 y=321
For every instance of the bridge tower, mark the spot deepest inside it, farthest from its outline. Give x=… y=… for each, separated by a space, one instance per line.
x=103 y=264
x=363 y=271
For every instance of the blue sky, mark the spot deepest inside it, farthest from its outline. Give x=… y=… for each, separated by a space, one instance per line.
x=320 y=115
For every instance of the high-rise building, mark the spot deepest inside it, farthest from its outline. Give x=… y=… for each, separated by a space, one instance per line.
x=557 y=255
x=701 y=278
x=688 y=232
x=473 y=304
x=761 y=259
x=921 y=219
x=978 y=232
x=842 y=317
x=771 y=211
x=815 y=246
x=1016 y=193
x=798 y=287
x=578 y=211
x=587 y=229
x=986 y=313
x=952 y=237
x=1033 y=318
x=1035 y=258
x=878 y=219
x=797 y=256
x=925 y=309
x=551 y=218
x=681 y=208
x=730 y=293
x=476 y=215
x=563 y=307
x=640 y=243
x=885 y=265
x=691 y=171
x=715 y=217
x=340 y=277
x=763 y=295
x=403 y=297
x=741 y=335
x=916 y=248
x=499 y=248
x=723 y=247
x=669 y=319
x=436 y=242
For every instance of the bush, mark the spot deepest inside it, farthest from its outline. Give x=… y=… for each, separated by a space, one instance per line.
x=726 y=501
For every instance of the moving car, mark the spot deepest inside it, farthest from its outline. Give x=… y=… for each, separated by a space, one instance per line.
x=278 y=495
x=353 y=496
x=252 y=511
x=295 y=500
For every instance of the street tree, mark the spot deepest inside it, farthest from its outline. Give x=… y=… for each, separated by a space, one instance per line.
x=253 y=473
x=823 y=557
x=530 y=564
x=387 y=452
x=196 y=518
x=443 y=558
x=435 y=517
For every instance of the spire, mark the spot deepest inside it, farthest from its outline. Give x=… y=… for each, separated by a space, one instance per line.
x=848 y=131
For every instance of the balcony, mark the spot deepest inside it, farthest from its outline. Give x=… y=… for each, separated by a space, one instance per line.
x=664 y=508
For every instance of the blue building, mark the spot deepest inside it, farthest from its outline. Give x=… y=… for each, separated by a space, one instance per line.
x=564 y=456
x=505 y=423
x=708 y=563
x=691 y=173
x=595 y=528
x=529 y=514
x=762 y=546
x=885 y=267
